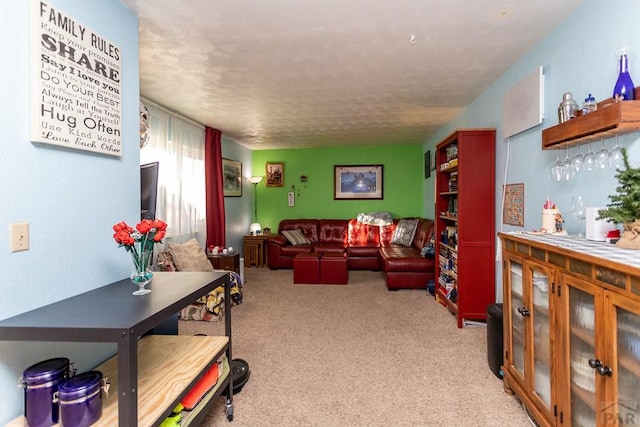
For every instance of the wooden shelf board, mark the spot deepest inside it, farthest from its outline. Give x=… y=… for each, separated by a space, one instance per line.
x=584 y=335
x=451 y=248
x=449 y=168
x=167 y=365
x=610 y=120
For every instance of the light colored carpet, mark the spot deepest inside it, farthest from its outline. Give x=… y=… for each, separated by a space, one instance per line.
x=356 y=355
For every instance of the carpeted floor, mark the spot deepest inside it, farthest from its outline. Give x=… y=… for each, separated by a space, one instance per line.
x=356 y=355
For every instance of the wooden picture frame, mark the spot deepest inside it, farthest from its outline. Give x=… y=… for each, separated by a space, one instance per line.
x=275 y=174
x=427 y=164
x=231 y=178
x=358 y=182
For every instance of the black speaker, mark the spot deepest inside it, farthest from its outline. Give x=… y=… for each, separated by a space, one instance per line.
x=495 y=342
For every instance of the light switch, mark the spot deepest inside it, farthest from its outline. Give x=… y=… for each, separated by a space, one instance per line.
x=19 y=236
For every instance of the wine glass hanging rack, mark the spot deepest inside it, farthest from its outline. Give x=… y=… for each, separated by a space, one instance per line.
x=610 y=119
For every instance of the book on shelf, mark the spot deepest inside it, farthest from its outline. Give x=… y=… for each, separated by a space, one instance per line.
x=453 y=181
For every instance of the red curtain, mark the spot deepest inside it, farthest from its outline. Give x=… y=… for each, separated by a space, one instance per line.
x=213 y=187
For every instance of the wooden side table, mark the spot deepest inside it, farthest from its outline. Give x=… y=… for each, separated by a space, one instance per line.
x=225 y=262
x=255 y=250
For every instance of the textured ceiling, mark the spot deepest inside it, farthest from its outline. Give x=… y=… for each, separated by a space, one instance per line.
x=308 y=73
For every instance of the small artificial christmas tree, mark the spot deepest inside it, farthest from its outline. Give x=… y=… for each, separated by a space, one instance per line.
x=625 y=205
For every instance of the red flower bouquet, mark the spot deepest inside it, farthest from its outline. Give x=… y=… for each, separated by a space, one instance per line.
x=147 y=232
x=139 y=241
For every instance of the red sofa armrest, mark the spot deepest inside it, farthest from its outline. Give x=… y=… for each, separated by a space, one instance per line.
x=278 y=239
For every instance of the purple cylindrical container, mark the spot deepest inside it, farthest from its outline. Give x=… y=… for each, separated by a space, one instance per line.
x=40 y=381
x=80 y=399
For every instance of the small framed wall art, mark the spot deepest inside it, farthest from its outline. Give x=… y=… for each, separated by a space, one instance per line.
x=275 y=174
x=427 y=164
x=357 y=182
x=232 y=178
x=513 y=209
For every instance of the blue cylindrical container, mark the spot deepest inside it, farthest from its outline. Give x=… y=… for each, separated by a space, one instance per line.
x=80 y=399
x=40 y=382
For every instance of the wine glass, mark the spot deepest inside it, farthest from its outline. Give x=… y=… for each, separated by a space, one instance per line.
x=589 y=160
x=578 y=211
x=566 y=167
x=576 y=162
x=602 y=157
x=556 y=169
x=615 y=157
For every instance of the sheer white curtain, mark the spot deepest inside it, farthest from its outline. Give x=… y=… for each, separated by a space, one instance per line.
x=178 y=146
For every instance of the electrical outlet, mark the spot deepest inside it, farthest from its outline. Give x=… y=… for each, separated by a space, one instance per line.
x=19 y=236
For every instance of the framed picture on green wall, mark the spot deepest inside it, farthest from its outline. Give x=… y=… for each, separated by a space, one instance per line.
x=275 y=174
x=357 y=182
x=231 y=178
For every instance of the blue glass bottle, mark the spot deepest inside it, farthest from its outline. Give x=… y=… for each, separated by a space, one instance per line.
x=624 y=89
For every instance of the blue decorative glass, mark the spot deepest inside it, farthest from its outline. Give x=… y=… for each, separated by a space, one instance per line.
x=142 y=275
x=624 y=89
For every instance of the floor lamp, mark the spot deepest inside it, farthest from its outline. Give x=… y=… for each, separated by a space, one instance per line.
x=255 y=227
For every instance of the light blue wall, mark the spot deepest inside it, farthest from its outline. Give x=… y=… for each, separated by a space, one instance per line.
x=238 y=210
x=579 y=56
x=70 y=198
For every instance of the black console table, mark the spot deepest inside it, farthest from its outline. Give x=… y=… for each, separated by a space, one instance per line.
x=112 y=314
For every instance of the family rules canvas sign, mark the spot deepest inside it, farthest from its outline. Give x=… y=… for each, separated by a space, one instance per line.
x=75 y=83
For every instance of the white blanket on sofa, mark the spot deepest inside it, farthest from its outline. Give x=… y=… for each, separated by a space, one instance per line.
x=375 y=218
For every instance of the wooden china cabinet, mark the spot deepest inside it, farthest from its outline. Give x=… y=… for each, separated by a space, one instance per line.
x=572 y=329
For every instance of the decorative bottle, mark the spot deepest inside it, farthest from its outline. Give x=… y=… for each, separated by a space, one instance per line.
x=589 y=105
x=624 y=89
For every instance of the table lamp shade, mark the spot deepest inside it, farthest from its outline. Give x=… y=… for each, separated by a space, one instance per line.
x=255 y=228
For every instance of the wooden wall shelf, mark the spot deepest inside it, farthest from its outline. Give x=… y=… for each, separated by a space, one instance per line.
x=610 y=119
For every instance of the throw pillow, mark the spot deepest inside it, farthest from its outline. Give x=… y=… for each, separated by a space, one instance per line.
x=405 y=232
x=295 y=237
x=189 y=256
x=165 y=262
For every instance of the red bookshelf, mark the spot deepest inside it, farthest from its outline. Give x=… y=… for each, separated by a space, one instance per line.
x=465 y=217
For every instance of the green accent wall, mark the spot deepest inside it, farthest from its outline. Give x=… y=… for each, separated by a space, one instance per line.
x=402 y=182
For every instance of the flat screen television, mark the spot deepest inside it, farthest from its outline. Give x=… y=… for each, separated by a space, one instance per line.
x=148 y=190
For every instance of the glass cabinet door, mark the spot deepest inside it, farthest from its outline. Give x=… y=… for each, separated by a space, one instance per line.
x=517 y=305
x=622 y=406
x=583 y=358
x=539 y=278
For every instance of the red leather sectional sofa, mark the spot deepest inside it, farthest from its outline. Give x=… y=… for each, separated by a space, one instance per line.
x=369 y=248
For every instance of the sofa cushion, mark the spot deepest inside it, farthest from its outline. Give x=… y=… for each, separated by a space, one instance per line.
x=405 y=232
x=295 y=237
x=189 y=256
x=402 y=258
x=363 y=251
x=293 y=250
x=333 y=231
x=361 y=234
x=386 y=232
x=309 y=227
x=329 y=248
x=424 y=233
